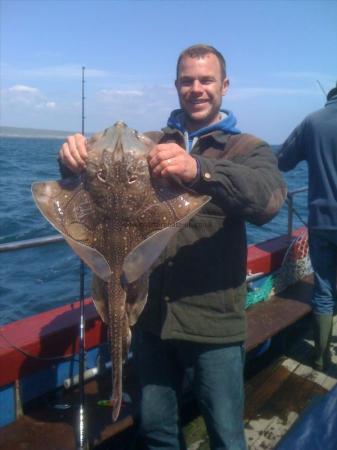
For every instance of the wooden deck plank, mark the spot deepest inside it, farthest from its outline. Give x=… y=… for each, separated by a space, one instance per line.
x=266 y=319
x=256 y=425
x=265 y=390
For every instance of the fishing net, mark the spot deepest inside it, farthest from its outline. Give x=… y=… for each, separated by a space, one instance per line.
x=296 y=264
x=256 y=295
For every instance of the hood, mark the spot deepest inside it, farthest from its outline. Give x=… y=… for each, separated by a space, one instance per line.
x=226 y=124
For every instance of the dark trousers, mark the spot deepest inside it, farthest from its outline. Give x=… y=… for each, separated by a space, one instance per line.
x=217 y=374
x=323 y=255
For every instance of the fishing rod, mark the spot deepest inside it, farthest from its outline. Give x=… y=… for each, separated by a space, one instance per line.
x=82 y=439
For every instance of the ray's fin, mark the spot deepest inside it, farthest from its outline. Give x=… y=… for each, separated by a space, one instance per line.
x=141 y=258
x=59 y=203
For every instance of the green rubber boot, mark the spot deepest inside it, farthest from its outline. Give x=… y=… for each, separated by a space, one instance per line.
x=322 y=326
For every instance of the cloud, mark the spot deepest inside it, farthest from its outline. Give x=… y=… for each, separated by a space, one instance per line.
x=23 y=89
x=139 y=100
x=21 y=95
x=50 y=105
x=111 y=93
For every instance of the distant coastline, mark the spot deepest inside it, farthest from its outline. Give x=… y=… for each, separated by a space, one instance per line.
x=17 y=132
x=33 y=133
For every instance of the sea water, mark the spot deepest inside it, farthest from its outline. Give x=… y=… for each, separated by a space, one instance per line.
x=38 y=279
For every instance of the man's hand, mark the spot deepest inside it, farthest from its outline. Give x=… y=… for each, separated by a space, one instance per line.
x=73 y=153
x=170 y=159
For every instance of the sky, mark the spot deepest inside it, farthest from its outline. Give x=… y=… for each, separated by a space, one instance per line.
x=278 y=53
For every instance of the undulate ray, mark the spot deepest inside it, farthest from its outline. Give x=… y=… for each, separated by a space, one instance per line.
x=118 y=220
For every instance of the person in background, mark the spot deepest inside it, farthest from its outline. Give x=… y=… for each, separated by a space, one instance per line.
x=315 y=141
x=194 y=322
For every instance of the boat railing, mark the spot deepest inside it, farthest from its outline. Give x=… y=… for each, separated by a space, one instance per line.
x=47 y=240
x=291 y=209
x=31 y=243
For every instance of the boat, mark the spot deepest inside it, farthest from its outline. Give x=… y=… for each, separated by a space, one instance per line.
x=40 y=377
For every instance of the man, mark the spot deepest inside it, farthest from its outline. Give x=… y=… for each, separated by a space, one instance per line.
x=193 y=324
x=315 y=141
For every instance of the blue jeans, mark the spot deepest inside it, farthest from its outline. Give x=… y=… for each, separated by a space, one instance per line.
x=217 y=374
x=323 y=255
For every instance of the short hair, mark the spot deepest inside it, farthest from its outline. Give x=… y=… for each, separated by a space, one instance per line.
x=199 y=50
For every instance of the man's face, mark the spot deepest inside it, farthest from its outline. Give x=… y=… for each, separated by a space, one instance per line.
x=200 y=89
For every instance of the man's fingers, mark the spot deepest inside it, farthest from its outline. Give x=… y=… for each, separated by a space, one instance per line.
x=158 y=158
x=182 y=166
x=162 y=155
x=67 y=159
x=169 y=168
x=81 y=144
x=158 y=164
x=73 y=153
x=77 y=148
x=170 y=159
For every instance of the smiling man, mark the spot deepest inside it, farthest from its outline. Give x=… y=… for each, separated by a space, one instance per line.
x=201 y=83
x=193 y=325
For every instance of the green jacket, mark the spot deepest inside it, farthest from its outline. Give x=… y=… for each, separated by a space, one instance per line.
x=197 y=287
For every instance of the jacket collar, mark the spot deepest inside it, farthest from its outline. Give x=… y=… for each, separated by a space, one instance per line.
x=218 y=135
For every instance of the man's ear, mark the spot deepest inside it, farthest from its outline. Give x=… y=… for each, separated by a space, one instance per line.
x=225 y=86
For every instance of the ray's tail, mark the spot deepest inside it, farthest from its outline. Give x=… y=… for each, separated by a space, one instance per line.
x=116 y=330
